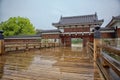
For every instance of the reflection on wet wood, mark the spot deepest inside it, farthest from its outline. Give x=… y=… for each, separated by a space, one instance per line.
x=48 y=64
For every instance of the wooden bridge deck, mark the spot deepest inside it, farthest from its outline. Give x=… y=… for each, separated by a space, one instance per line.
x=48 y=64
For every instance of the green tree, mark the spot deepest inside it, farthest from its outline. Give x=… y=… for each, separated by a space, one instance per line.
x=17 y=26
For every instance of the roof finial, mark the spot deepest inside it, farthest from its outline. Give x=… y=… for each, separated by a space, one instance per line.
x=95 y=13
x=61 y=17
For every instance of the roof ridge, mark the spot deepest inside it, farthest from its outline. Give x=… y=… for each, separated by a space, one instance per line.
x=50 y=29
x=78 y=16
x=117 y=16
x=16 y=36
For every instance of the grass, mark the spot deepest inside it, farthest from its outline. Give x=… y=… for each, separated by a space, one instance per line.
x=76 y=41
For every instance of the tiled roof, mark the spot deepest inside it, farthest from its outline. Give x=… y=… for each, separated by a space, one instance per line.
x=113 y=20
x=23 y=37
x=78 y=19
x=50 y=31
x=106 y=29
x=117 y=17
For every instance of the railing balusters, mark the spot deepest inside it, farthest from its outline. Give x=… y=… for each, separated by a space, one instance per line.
x=105 y=62
x=27 y=46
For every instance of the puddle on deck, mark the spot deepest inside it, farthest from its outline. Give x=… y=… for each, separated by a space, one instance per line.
x=47 y=64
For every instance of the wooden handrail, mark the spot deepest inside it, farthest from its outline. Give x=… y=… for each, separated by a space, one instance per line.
x=90 y=43
x=109 y=61
x=91 y=47
x=27 y=45
x=21 y=43
x=104 y=59
x=110 y=49
x=114 y=64
x=103 y=71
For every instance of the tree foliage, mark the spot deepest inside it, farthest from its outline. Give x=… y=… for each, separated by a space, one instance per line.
x=17 y=26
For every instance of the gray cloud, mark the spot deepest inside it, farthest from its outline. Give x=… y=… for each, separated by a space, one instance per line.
x=43 y=12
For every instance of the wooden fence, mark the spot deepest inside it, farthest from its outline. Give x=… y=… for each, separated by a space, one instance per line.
x=107 y=60
x=17 y=46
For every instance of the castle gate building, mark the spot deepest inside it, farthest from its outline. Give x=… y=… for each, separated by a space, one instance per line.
x=77 y=27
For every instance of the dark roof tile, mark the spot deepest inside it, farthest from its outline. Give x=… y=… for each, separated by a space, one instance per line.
x=78 y=19
x=23 y=36
x=113 y=20
x=50 y=31
x=106 y=29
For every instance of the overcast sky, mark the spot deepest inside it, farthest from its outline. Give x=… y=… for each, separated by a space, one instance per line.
x=43 y=13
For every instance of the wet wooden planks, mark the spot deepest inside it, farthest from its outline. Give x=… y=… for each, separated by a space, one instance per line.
x=47 y=64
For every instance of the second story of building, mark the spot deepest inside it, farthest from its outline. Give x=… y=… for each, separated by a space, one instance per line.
x=115 y=25
x=79 y=24
x=115 y=22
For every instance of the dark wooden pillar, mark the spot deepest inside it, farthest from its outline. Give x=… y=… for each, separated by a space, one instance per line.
x=62 y=41
x=2 y=50
x=118 y=32
x=84 y=42
x=91 y=38
x=68 y=42
x=2 y=64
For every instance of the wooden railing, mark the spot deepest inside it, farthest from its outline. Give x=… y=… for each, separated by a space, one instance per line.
x=90 y=49
x=27 y=46
x=106 y=60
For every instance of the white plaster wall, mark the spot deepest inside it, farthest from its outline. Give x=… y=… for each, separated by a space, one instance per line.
x=117 y=24
x=118 y=42
x=50 y=40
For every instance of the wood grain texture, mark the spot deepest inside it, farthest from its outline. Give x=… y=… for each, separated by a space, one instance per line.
x=48 y=64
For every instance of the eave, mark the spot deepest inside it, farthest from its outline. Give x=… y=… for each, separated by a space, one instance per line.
x=114 y=20
x=99 y=22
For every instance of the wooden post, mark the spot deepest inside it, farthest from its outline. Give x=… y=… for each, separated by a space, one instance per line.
x=96 y=43
x=2 y=50
x=54 y=44
x=97 y=36
x=40 y=46
x=27 y=46
x=17 y=48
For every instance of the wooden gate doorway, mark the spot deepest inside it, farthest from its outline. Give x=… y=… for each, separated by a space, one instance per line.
x=77 y=42
x=67 y=40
